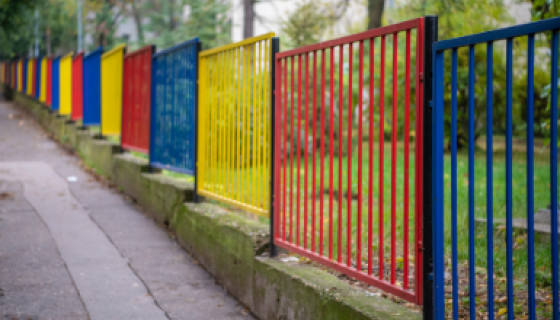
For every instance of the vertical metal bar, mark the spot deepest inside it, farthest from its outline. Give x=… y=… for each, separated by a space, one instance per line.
x=381 y=155
x=394 y=165
x=360 y=104
x=490 y=176
x=509 y=175
x=371 y=145
x=340 y=140
x=228 y=190
x=331 y=145
x=313 y=119
x=406 y=159
x=454 y=266
x=298 y=153
x=349 y=173
x=198 y=47
x=305 y=166
x=286 y=186
x=292 y=152
x=554 y=173
x=530 y=176
x=438 y=196
x=255 y=106
x=323 y=138
x=276 y=134
x=472 y=253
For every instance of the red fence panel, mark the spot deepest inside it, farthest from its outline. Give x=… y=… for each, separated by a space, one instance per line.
x=331 y=158
x=136 y=99
x=49 y=82
x=77 y=87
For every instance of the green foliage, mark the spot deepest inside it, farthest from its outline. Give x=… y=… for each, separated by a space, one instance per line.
x=207 y=20
x=545 y=9
x=306 y=24
x=56 y=27
x=460 y=18
x=105 y=17
x=15 y=30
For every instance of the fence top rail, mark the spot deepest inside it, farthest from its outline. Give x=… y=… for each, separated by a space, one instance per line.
x=391 y=29
x=94 y=53
x=176 y=47
x=147 y=48
x=500 y=34
x=79 y=55
x=114 y=50
x=245 y=42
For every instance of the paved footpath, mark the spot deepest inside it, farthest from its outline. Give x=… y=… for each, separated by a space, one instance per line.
x=78 y=250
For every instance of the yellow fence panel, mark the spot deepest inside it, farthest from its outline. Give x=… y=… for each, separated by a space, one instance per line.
x=111 y=90
x=234 y=124
x=65 y=84
x=29 y=86
x=20 y=75
x=43 y=88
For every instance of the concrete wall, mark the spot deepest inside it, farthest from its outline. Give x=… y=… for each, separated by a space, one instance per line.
x=228 y=245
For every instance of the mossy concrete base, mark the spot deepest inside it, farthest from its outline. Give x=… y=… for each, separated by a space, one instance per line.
x=228 y=245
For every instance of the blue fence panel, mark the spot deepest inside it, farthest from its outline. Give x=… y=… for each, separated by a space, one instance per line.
x=38 y=77
x=92 y=88
x=486 y=40
x=173 y=110
x=55 y=86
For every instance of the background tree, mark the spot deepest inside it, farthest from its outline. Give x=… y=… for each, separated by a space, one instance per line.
x=248 y=18
x=15 y=33
x=375 y=13
x=171 y=22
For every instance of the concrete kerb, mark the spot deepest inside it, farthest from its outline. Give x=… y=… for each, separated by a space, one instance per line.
x=228 y=245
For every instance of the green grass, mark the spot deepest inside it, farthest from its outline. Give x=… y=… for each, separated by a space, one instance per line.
x=541 y=200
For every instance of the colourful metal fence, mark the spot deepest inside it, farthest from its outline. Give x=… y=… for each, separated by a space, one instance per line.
x=37 y=84
x=112 y=90
x=92 y=88
x=43 y=82
x=233 y=135
x=173 y=108
x=48 y=101
x=136 y=100
x=55 y=84
x=29 y=86
x=330 y=209
x=23 y=87
x=65 y=76
x=30 y=74
x=77 y=86
x=20 y=74
x=448 y=120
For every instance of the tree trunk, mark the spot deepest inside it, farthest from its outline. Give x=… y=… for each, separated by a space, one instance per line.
x=171 y=6
x=248 y=18
x=375 y=12
x=138 y=22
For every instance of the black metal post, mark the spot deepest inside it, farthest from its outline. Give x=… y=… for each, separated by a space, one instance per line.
x=430 y=36
x=196 y=198
x=275 y=48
